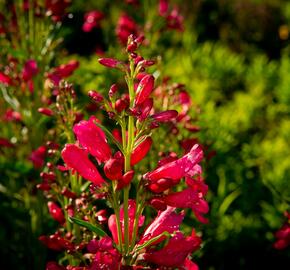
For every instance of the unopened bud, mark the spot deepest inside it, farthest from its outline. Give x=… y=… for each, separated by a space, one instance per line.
x=45 y=111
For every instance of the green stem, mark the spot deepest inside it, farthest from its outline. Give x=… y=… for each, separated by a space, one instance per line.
x=117 y=213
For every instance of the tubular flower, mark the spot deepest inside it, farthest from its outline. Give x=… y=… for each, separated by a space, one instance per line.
x=173 y=171
x=141 y=151
x=112 y=223
x=189 y=198
x=144 y=89
x=56 y=212
x=167 y=220
x=165 y=116
x=30 y=70
x=93 y=139
x=77 y=159
x=113 y=169
x=175 y=252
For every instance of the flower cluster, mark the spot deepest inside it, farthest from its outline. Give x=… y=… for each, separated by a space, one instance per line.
x=120 y=234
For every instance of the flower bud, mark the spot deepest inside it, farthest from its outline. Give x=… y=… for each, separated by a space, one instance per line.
x=165 y=116
x=109 y=62
x=141 y=151
x=113 y=90
x=121 y=105
x=95 y=96
x=145 y=108
x=67 y=193
x=126 y=179
x=113 y=169
x=144 y=89
x=56 y=212
x=45 y=111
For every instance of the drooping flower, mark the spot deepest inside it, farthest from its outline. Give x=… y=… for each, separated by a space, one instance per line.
x=167 y=220
x=93 y=139
x=77 y=159
x=173 y=171
x=164 y=116
x=175 y=252
x=188 y=198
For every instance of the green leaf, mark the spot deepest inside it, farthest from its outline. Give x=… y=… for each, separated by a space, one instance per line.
x=94 y=228
x=151 y=241
x=228 y=201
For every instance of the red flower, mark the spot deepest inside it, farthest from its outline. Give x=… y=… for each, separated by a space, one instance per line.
x=141 y=151
x=165 y=116
x=37 y=157
x=56 y=242
x=175 y=252
x=125 y=27
x=113 y=169
x=30 y=70
x=144 y=89
x=93 y=139
x=77 y=159
x=109 y=62
x=167 y=220
x=92 y=20
x=189 y=198
x=5 y=79
x=175 y=170
x=56 y=212
x=113 y=225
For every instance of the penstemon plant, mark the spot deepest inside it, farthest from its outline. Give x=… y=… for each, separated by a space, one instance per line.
x=103 y=219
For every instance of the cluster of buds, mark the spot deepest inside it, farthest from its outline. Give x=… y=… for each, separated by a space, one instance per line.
x=103 y=166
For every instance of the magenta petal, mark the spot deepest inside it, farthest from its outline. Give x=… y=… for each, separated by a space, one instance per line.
x=167 y=220
x=178 y=168
x=141 y=151
x=144 y=89
x=93 y=139
x=188 y=198
x=77 y=159
x=175 y=252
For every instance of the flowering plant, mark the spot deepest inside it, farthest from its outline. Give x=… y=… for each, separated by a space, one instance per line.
x=102 y=226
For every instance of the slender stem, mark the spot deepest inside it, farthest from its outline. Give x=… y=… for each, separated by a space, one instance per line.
x=117 y=213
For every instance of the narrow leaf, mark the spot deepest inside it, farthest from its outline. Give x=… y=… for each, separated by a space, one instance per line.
x=94 y=228
x=151 y=241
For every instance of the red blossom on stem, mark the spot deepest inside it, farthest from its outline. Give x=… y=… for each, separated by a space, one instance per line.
x=93 y=139
x=77 y=159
